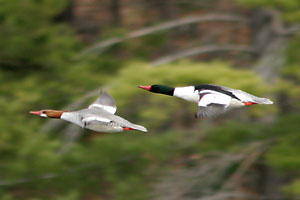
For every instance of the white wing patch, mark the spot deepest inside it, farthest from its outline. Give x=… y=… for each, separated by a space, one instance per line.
x=213 y=98
x=91 y=118
x=212 y=103
x=109 y=109
x=105 y=102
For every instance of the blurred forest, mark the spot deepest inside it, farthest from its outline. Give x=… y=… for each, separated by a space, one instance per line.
x=58 y=54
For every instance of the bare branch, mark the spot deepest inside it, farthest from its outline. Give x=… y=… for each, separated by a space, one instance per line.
x=278 y=25
x=272 y=60
x=99 y=47
x=201 y=50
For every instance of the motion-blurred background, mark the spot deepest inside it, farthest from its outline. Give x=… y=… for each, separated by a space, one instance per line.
x=58 y=54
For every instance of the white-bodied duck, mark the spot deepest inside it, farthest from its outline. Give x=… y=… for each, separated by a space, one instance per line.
x=99 y=116
x=211 y=99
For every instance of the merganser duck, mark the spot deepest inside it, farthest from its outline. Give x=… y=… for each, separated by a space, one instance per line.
x=211 y=99
x=99 y=116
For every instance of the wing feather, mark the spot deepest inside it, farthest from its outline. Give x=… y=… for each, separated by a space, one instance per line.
x=211 y=110
x=105 y=102
x=212 y=103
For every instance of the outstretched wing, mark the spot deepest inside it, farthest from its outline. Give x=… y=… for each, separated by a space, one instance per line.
x=246 y=97
x=105 y=102
x=89 y=119
x=212 y=103
x=210 y=110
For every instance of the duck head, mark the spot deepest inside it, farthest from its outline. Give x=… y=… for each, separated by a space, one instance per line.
x=163 y=89
x=48 y=113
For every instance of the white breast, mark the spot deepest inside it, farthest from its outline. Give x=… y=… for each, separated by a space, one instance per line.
x=187 y=93
x=103 y=127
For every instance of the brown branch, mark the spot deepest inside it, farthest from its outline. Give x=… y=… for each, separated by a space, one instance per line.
x=201 y=50
x=99 y=47
x=278 y=25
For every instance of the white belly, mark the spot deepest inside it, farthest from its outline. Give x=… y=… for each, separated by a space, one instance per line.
x=234 y=103
x=103 y=127
x=97 y=126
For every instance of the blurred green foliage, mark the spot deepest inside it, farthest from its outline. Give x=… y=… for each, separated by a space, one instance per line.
x=31 y=34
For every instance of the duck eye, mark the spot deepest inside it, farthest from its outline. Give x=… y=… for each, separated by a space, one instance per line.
x=43 y=112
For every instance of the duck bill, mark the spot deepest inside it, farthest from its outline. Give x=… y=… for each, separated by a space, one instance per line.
x=145 y=87
x=35 y=112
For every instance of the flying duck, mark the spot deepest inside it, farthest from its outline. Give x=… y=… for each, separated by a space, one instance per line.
x=99 y=116
x=211 y=99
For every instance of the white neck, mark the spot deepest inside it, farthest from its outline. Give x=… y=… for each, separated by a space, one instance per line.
x=187 y=93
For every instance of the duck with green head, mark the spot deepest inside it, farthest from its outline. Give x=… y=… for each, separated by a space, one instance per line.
x=211 y=99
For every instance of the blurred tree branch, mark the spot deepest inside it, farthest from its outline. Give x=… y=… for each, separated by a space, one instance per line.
x=271 y=41
x=210 y=171
x=278 y=25
x=101 y=46
x=201 y=50
x=264 y=40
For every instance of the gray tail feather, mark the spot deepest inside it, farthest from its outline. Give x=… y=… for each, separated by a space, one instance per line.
x=263 y=101
x=139 y=127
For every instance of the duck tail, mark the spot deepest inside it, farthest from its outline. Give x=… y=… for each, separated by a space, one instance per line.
x=260 y=100
x=138 y=127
